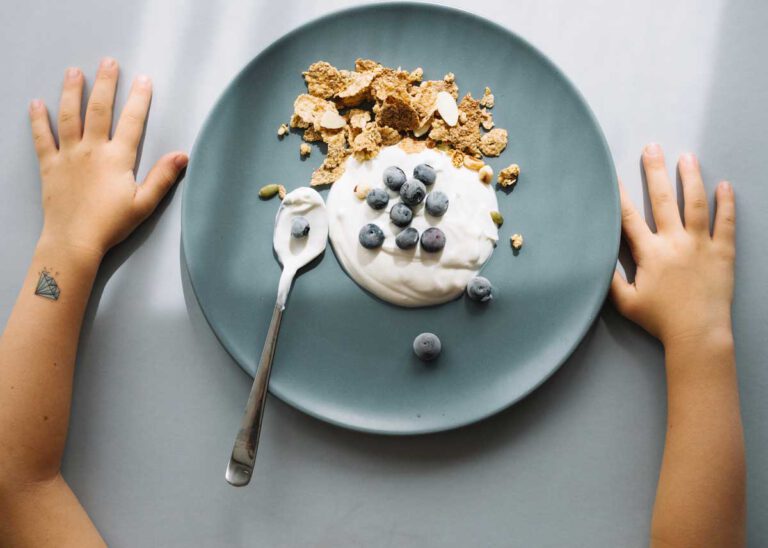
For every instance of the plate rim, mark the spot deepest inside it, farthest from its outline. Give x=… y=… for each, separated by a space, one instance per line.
x=596 y=306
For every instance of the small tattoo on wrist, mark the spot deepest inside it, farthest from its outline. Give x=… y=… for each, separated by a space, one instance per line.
x=47 y=286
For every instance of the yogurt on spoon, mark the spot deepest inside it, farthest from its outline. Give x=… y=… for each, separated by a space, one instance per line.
x=294 y=253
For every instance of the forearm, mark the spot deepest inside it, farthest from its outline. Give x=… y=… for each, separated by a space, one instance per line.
x=700 y=499
x=37 y=357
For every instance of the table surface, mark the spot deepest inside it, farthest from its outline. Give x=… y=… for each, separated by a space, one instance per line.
x=157 y=400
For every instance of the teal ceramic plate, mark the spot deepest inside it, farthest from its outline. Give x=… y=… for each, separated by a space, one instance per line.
x=344 y=356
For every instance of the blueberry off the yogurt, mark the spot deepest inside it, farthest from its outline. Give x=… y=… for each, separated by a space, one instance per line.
x=427 y=346
x=480 y=289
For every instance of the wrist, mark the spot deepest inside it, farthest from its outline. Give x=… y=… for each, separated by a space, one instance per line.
x=84 y=254
x=711 y=338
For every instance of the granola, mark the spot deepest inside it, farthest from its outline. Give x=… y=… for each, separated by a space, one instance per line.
x=323 y=80
x=463 y=137
x=368 y=143
x=487 y=99
x=412 y=145
x=357 y=112
x=508 y=176
x=494 y=142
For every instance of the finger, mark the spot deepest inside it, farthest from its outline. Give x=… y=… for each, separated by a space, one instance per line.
x=159 y=181
x=131 y=124
x=70 y=122
x=634 y=227
x=663 y=202
x=725 y=215
x=98 y=116
x=623 y=294
x=696 y=211
x=41 y=129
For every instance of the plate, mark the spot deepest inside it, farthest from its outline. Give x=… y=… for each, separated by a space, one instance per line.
x=343 y=355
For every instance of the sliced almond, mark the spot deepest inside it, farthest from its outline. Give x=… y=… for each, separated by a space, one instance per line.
x=332 y=120
x=420 y=131
x=447 y=107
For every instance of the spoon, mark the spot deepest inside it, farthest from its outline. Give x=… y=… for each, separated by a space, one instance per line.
x=293 y=254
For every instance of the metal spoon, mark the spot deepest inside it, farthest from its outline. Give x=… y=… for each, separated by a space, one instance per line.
x=293 y=254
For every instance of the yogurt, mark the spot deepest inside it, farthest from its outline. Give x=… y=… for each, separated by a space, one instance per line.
x=413 y=277
x=294 y=253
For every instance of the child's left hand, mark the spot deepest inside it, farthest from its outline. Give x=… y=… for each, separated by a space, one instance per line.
x=91 y=200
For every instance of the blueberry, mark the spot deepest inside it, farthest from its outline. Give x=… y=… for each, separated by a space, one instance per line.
x=413 y=192
x=371 y=236
x=432 y=240
x=400 y=215
x=480 y=289
x=299 y=227
x=437 y=203
x=425 y=173
x=427 y=346
x=394 y=177
x=408 y=238
x=377 y=198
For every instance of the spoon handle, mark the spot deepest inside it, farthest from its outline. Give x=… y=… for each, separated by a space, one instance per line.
x=241 y=462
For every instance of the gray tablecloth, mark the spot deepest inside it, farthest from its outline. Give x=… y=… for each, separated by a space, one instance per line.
x=157 y=400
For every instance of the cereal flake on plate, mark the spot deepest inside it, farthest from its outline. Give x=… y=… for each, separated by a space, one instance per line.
x=494 y=142
x=508 y=176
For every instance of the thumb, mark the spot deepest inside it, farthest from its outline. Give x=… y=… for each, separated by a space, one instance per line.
x=159 y=181
x=622 y=294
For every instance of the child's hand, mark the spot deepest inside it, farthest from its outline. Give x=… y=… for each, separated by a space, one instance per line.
x=90 y=197
x=684 y=282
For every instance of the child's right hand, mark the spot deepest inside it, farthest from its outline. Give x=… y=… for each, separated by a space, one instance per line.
x=683 y=287
x=91 y=200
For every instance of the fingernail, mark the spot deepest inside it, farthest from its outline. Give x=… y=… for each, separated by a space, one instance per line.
x=688 y=159
x=73 y=73
x=35 y=104
x=652 y=149
x=107 y=62
x=180 y=161
x=726 y=186
x=142 y=80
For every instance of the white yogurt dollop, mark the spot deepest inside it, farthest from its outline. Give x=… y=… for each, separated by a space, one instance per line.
x=413 y=277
